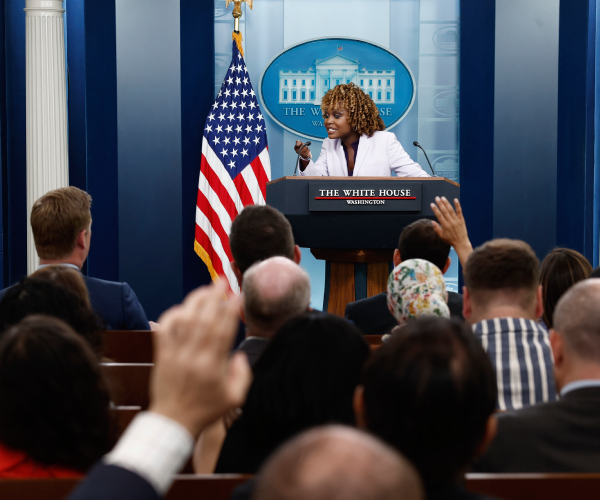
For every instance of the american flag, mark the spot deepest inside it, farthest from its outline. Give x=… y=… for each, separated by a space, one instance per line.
x=234 y=169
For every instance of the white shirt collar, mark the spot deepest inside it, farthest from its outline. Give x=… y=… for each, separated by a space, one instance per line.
x=66 y=264
x=579 y=384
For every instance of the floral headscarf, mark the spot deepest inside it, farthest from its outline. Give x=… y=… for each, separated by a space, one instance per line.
x=416 y=288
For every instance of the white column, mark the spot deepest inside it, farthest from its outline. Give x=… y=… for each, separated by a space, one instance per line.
x=47 y=150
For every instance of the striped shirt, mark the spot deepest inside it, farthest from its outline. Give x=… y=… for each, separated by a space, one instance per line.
x=519 y=350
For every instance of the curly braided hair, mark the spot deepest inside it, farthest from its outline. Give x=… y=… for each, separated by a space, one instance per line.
x=363 y=114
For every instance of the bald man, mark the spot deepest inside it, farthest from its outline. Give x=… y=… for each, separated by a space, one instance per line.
x=337 y=463
x=273 y=291
x=562 y=436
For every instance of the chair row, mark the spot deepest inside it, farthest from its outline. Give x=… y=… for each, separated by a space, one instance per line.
x=135 y=346
x=220 y=486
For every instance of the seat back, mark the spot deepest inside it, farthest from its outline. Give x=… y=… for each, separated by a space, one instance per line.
x=128 y=383
x=127 y=346
x=535 y=486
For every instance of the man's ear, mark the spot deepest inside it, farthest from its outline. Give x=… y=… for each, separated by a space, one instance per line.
x=80 y=242
x=447 y=265
x=467 y=304
x=558 y=348
x=238 y=274
x=491 y=427
x=297 y=254
x=359 y=407
x=397 y=258
x=241 y=302
x=539 y=303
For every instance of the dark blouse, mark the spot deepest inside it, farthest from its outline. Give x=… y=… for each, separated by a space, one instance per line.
x=355 y=147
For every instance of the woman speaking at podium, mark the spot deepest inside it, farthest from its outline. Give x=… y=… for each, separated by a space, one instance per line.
x=356 y=144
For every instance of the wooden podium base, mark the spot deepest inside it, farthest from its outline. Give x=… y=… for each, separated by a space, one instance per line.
x=345 y=275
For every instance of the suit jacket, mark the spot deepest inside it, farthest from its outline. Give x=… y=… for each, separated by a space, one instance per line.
x=372 y=316
x=561 y=436
x=253 y=347
x=109 y=482
x=380 y=155
x=116 y=303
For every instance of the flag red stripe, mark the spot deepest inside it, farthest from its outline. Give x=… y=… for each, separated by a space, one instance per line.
x=218 y=187
x=261 y=176
x=204 y=240
x=213 y=218
x=240 y=185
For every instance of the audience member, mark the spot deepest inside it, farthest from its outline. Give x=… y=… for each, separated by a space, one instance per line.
x=561 y=269
x=257 y=233
x=34 y=296
x=451 y=227
x=67 y=277
x=337 y=463
x=61 y=222
x=595 y=273
x=54 y=407
x=417 y=241
x=415 y=289
x=430 y=392
x=273 y=291
x=503 y=302
x=194 y=382
x=305 y=377
x=561 y=436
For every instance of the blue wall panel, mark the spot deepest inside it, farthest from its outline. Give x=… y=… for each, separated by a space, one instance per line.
x=15 y=189
x=525 y=121
x=149 y=151
x=575 y=207
x=197 y=87
x=101 y=137
x=476 y=122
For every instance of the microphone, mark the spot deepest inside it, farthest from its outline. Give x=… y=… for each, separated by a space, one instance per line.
x=415 y=143
x=307 y=143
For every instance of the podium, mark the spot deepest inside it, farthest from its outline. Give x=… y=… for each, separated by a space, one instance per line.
x=353 y=223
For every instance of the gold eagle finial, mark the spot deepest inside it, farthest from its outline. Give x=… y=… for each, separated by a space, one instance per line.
x=237 y=9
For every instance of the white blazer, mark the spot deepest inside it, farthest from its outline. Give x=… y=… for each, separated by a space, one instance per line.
x=380 y=155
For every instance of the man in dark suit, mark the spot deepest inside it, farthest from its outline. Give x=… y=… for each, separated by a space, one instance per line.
x=194 y=382
x=273 y=291
x=564 y=435
x=61 y=223
x=430 y=392
x=418 y=240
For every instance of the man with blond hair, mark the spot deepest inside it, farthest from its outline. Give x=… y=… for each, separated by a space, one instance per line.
x=61 y=222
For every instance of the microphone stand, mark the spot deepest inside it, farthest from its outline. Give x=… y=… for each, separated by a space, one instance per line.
x=415 y=143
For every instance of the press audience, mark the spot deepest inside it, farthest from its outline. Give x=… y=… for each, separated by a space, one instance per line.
x=337 y=463
x=273 y=291
x=430 y=392
x=35 y=296
x=305 y=377
x=503 y=303
x=561 y=269
x=54 y=406
x=564 y=435
x=418 y=240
